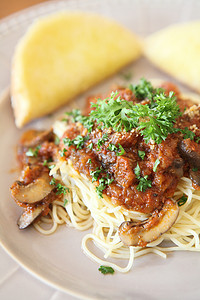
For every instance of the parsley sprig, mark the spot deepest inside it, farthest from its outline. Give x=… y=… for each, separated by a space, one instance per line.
x=143 y=90
x=103 y=181
x=119 y=151
x=106 y=270
x=78 y=141
x=154 y=120
x=60 y=189
x=182 y=200
x=144 y=182
x=102 y=140
x=76 y=116
x=33 y=152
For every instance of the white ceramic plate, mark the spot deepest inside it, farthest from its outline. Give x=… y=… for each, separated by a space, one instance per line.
x=58 y=259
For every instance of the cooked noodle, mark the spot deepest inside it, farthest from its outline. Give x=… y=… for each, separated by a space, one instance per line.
x=84 y=209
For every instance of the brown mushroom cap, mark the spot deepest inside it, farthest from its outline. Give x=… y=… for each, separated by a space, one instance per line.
x=190 y=151
x=28 y=216
x=141 y=233
x=33 y=192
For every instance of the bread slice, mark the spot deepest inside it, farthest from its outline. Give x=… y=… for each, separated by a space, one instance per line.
x=176 y=50
x=63 y=55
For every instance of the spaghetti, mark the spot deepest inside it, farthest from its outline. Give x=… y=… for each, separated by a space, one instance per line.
x=84 y=210
x=130 y=170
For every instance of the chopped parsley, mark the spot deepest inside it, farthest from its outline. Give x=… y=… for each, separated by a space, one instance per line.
x=61 y=189
x=156 y=164
x=33 y=152
x=197 y=140
x=119 y=151
x=51 y=167
x=137 y=171
x=89 y=161
x=57 y=140
x=62 y=153
x=78 y=141
x=187 y=134
x=47 y=161
x=103 y=183
x=144 y=182
x=141 y=154
x=53 y=181
x=127 y=76
x=143 y=90
x=182 y=200
x=65 y=202
x=154 y=120
x=106 y=270
x=195 y=169
x=77 y=117
x=90 y=146
x=95 y=174
x=102 y=140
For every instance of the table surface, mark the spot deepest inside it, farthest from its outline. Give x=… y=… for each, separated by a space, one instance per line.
x=11 y=6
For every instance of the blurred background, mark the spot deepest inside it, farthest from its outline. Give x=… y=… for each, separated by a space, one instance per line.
x=8 y=7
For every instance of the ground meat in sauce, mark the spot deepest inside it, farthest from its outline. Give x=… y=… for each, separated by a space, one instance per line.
x=123 y=190
x=120 y=168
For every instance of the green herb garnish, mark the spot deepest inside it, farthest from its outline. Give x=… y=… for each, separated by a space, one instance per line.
x=137 y=171
x=77 y=117
x=62 y=153
x=141 y=154
x=197 y=140
x=89 y=161
x=103 y=183
x=102 y=140
x=195 y=169
x=95 y=174
x=53 y=181
x=154 y=120
x=51 y=167
x=106 y=270
x=127 y=76
x=33 y=152
x=182 y=200
x=187 y=134
x=119 y=151
x=156 y=164
x=47 y=161
x=57 y=140
x=143 y=90
x=90 y=146
x=65 y=202
x=144 y=182
x=61 y=189
x=78 y=141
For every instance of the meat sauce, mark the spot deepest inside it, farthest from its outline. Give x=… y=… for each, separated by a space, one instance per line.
x=121 y=169
x=163 y=164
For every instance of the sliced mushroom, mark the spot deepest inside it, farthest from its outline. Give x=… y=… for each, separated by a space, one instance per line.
x=29 y=215
x=33 y=192
x=191 y=152
x=141 y=233
x=177 y=167
x=195 y=177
